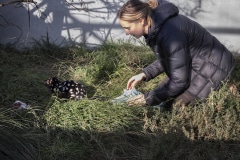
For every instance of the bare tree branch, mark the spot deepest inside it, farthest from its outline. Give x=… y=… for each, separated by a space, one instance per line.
x=17 y=1
x=83 y=6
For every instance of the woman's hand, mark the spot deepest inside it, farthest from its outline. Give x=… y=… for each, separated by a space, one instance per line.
x=132 y=82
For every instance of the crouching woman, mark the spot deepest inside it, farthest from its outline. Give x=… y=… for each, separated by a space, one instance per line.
x=194 y=61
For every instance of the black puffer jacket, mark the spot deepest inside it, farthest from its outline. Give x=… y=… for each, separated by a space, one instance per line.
x=193 y=59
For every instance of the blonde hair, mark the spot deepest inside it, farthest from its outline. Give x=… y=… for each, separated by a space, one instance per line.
x=133 y=10
x=152 y=3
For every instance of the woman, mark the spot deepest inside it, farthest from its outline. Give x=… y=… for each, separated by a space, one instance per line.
x=194 y=61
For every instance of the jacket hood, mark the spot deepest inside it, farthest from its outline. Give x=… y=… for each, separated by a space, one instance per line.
x=160 y=15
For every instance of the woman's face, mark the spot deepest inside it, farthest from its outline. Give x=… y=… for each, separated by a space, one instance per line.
x=135 y=29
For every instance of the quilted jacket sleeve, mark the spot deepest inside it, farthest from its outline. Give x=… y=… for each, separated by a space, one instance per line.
x=153 y=70
x=176 y=60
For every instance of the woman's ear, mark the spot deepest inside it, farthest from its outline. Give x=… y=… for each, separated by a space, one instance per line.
x=141 y=21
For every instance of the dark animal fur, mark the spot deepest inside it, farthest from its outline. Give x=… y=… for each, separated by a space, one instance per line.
x=67 y=89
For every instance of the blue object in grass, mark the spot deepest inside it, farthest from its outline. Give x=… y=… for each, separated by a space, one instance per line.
x=127 y=94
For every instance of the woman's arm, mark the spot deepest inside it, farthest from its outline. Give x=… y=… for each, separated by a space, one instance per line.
x=153 y=70
x=177 y=63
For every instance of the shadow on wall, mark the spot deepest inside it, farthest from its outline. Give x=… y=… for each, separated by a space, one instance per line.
x=77 y=21
x=189 y=8
x=193 y=8
x=224 y=30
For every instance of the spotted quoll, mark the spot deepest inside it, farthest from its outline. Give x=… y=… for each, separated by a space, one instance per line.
x=67 y=89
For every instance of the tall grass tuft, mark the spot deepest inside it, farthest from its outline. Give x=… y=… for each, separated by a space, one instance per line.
x=94 y=128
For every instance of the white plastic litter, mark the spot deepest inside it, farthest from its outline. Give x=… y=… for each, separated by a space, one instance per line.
x=20 y=105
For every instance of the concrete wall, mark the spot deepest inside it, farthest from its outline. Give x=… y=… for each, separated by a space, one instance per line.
x=93 y=22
